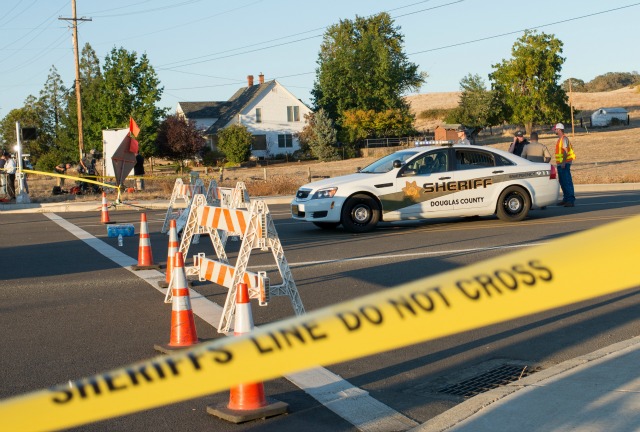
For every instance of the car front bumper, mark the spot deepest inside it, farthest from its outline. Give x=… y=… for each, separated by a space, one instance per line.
x=317 y=210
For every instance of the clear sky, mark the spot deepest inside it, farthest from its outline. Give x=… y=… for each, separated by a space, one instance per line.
x=204 y=49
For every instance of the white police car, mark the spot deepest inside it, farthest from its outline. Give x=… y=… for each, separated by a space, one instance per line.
x=429 y=182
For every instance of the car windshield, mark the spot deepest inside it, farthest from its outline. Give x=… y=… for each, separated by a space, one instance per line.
x=386 y=163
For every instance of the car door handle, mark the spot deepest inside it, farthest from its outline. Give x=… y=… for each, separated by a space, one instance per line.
x=444 y=178
x=498 y=172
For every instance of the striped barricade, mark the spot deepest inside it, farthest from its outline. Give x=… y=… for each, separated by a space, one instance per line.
x=257 y=231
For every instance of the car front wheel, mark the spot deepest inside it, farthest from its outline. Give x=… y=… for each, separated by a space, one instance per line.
x=514 y=204
x=360 y=214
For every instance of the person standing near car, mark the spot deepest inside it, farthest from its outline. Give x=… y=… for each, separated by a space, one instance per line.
x=534 y=151
x=462 y=136
x=519 y=141
x=564 y=157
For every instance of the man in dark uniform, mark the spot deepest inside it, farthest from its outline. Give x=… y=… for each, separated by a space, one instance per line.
x=519 y=141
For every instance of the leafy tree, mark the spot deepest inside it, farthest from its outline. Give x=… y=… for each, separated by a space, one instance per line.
x=131 y=88
x=235 y=142
x=474 y=107
x=30 y=115
x=178 y=139
x=577 y=85
x=91 y=82
x=613 y=81
x=361 y=124
x=362 y=66
x=53 y=101
x=319 y=136
x=528 y=82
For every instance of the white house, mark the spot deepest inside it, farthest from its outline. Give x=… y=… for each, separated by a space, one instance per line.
x=268 y=110
x=603 y=117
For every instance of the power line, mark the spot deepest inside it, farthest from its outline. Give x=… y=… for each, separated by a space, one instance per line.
x=201 y=59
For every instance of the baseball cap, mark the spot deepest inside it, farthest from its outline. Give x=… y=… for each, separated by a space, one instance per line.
x=519 y=134
x=460 y=129
x=559 y=126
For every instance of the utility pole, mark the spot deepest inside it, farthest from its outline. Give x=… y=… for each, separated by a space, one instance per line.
x=571 y=105
x=74 y=19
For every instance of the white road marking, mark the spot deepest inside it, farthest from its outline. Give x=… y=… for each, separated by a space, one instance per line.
x=349 y=402
x=395 y=256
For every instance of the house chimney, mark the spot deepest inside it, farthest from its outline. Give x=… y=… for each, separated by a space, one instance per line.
x=261 y=78
x=249 y=80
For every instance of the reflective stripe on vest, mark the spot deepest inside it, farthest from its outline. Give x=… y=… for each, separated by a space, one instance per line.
x=570 y=154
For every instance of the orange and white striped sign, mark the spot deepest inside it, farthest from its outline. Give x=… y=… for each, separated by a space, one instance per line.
x=222 y=274
x=224 y=219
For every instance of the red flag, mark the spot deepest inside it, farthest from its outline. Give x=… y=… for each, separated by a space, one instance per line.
x=133 y=146
x=133 y=127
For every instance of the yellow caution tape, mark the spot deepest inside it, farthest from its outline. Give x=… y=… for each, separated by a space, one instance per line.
x=573 y=269
x=81 y=179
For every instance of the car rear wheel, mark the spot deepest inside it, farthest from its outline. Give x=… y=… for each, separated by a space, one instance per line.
x=360 y=213
x=514 y=204
x=327 y=225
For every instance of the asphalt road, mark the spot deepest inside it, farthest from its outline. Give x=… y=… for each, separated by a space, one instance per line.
x=69 y=312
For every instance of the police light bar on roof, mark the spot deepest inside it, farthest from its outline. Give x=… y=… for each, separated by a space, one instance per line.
x=433 y=143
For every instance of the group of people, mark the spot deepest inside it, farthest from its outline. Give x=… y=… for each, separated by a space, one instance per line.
x=537 y=152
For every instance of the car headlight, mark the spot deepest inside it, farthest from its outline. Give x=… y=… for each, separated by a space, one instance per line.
x=325 y=193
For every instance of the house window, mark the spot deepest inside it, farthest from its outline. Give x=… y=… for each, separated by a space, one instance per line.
x=258 y=115
x=293 y=113
x=259 y=142
x=285 y=141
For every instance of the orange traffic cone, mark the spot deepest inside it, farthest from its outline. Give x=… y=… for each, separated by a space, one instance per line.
x=174 y=245
x=104 y=218
x=246 y=401
x=183 y=325
x=145 y=257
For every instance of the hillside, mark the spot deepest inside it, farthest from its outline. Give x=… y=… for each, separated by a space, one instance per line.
x=586 y=103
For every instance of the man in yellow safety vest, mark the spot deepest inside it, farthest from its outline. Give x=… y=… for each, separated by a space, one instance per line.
x=564 y=156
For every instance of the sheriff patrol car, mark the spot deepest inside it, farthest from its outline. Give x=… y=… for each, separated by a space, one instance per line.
x=429 y=182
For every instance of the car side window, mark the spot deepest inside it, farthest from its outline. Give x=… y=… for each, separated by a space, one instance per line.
x=473 y=159
x=504 y=161
x=429 y=163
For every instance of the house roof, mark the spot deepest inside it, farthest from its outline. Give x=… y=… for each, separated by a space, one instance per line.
x=224 y=111
x=613 y=110
x=193 y=110
x=240 y=99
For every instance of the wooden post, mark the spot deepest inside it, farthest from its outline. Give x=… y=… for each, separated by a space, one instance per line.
x=309 y=174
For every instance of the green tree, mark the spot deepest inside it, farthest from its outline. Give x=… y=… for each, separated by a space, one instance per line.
x=131 y=88
x=577 y=85
x=30 y=115
x=319 y=136
x=362 y=66
x=528 y=83
x=91 y=83
x=474 y=107
x=53 y=101
x=178 y=139
x=612 y=81
x=235 y=142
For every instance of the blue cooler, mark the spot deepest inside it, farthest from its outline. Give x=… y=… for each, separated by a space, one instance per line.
x=126 y=230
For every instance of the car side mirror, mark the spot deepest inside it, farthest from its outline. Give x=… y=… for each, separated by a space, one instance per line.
x=397 y=163
x=358 y=169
